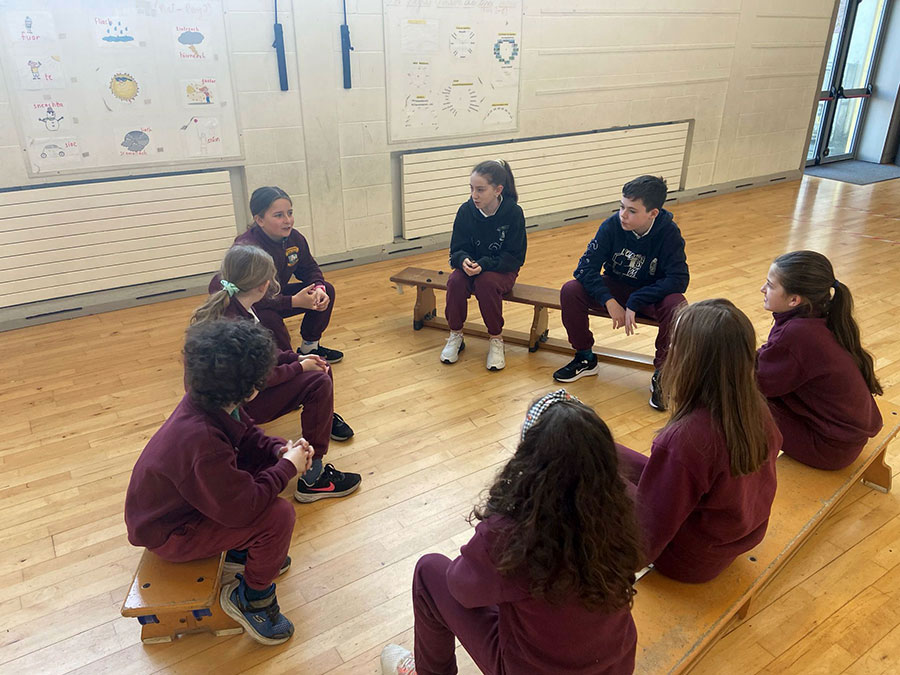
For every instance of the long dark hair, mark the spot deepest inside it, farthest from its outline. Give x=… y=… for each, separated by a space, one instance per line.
x=262 y=198
x=712 y=364
x=810 y=275
x=573 y=525
x=498 y=172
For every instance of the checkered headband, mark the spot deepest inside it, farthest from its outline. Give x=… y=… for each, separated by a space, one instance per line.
x=542 y=404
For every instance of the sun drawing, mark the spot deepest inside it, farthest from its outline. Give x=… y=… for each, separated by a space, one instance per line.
x=124 y=87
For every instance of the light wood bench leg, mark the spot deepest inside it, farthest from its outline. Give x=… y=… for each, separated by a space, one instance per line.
x=878 y=474
x=425 y=307
x=538 y=328
x=173 y=624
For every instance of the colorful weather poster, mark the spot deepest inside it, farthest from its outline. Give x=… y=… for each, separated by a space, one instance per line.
x=202 y=137
x=48 y=115
x=52 y=154
x=40 y=70
x=199 y=91
x=33 y=28
x=127 y=87
x=134 y=141
x=191 y=41
x=116 y=30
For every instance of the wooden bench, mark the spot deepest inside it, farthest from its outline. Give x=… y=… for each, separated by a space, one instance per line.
x=539 y=297
x=678 y=622
x=171 y=599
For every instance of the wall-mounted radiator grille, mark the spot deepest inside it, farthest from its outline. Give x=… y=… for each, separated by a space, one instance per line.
x=552 y=174
x=62 y=241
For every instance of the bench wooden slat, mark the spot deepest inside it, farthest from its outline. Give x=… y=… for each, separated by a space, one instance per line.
x=678 y=622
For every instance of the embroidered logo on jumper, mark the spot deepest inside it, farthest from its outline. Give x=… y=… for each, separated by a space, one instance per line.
x=292 y=254
x=501 y=237
x=652 y=267
x=628 y=263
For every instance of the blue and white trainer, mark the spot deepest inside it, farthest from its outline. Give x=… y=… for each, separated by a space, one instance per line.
x=262 y=619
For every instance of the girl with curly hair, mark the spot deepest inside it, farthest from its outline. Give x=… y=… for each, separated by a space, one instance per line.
x=546 y=582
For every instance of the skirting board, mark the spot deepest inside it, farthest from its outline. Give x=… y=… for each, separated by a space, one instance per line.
x=133 y=296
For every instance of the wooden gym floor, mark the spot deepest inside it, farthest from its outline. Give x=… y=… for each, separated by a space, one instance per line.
x=81 y=398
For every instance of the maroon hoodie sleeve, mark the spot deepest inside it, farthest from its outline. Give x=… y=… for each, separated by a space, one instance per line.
x=224 y=493
x=287 y=367
x=280 y=303
x=472 y=578
x=667 y=494
x=777 y=370
x=307 y=270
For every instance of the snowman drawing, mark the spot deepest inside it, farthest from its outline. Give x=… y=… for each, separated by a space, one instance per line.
x=50 y=120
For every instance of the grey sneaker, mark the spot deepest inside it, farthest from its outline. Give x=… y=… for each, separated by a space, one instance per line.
x=455 y=344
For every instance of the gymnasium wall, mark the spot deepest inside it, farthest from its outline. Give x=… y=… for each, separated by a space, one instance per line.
x=746 y=70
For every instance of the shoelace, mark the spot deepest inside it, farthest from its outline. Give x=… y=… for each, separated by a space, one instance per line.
x=272 y=612
x=331 y=471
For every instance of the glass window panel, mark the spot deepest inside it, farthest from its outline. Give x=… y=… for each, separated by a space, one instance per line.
x=862 y=44
x=835 y=43
x=817 y=129
x=846 y=119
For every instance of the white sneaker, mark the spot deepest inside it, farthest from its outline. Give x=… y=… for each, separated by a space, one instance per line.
x=397 y=660
x=455 y=344
x=496 y=360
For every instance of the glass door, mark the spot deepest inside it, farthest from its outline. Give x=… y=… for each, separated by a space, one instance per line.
x=846 y=84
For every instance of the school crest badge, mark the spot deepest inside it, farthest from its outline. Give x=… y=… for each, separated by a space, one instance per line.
x=293 y=255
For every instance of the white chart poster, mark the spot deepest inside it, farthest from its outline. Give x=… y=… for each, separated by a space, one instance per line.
x=452 y=67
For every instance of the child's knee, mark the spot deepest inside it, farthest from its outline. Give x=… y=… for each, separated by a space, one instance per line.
x=430 y=568
x=282 y=517
x=329 y=289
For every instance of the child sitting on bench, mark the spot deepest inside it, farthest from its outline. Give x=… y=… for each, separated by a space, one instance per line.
x=705 y=492
x=208 y=480
x=247 y=276
x=634 y=264
x=818 y=378
x=545 y=584
x=487 y=248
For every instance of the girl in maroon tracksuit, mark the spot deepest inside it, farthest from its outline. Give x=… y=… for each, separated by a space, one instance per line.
x=273 y=231
x=705 y=492
x=545 y=584
x=813 y=369
x=248 y=275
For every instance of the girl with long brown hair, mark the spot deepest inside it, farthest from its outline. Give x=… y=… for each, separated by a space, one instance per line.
x=297 y=382
x=818 y=378
x=704 y=494
x=546 y=582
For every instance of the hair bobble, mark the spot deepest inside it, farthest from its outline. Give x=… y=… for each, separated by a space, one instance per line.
x=834 y=284
x=229 y=288
x=544 y=402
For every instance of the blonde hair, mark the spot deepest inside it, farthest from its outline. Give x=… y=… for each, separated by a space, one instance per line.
x=244 y=266
x=712 y=365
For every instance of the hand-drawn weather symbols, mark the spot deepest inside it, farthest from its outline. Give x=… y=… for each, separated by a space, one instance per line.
x=198 y=93
x=28 y=24
x=35 y=68
x=506 y=49
x=124 y=87
x=462 y=42
x=116 y=32
x=419 y=74
x=52 y=150
x=190 y=39
x=50 y=120
x=460 y=97
x=498 y=114
x=420 y=112
x=135 y=141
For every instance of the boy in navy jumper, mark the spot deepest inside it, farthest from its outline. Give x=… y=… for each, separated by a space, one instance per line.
x=635 y=264
x=208 y=481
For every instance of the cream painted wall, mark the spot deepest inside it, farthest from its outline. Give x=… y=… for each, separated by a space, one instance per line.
x=746 y=70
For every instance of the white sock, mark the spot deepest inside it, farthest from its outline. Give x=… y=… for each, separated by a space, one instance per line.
x=308 y=347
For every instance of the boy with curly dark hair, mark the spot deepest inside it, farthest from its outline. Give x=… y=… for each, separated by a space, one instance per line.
x=208 y=480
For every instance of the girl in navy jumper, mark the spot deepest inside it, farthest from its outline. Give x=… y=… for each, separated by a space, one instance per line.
x=246 y=277
x=487 y=248
x=546 y=582
x=273 y=231
x=813 y=369
x=705 y=492
x=208 y=480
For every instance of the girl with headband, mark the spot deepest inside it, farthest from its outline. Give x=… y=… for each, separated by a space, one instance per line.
x=818 y=378
x=248 y=275
x=546 y=582
x=704 y=494
x=487 y=248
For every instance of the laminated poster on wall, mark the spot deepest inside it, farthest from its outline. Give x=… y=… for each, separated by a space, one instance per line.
x=192 y=42
x=47 y=114
x=126 y=86
x=420 y=36
x=115 y=30
x=39 y=69
x=202 y=137
x=199 y=91
x=51 y=154
x=135 y=142
x=31 y=28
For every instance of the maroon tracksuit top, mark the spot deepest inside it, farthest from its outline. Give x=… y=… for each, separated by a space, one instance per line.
x=696 y=518
x=535 y=636
x=808 y=377
x=202 y=465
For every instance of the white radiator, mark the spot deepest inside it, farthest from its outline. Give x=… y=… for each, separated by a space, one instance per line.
x=552 y=174
x=62 y=241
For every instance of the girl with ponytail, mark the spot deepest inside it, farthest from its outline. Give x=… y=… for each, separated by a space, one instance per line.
x=818 y=378
x=298 y=381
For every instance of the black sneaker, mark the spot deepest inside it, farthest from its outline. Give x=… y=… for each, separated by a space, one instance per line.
x=236 y=560
x=332 y=483
x=330 y=355
x=340 y=430
x=656 y=395
x=577 y=368
x=262 y=619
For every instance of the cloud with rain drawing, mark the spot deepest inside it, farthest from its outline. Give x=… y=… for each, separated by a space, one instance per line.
x=191 y=38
